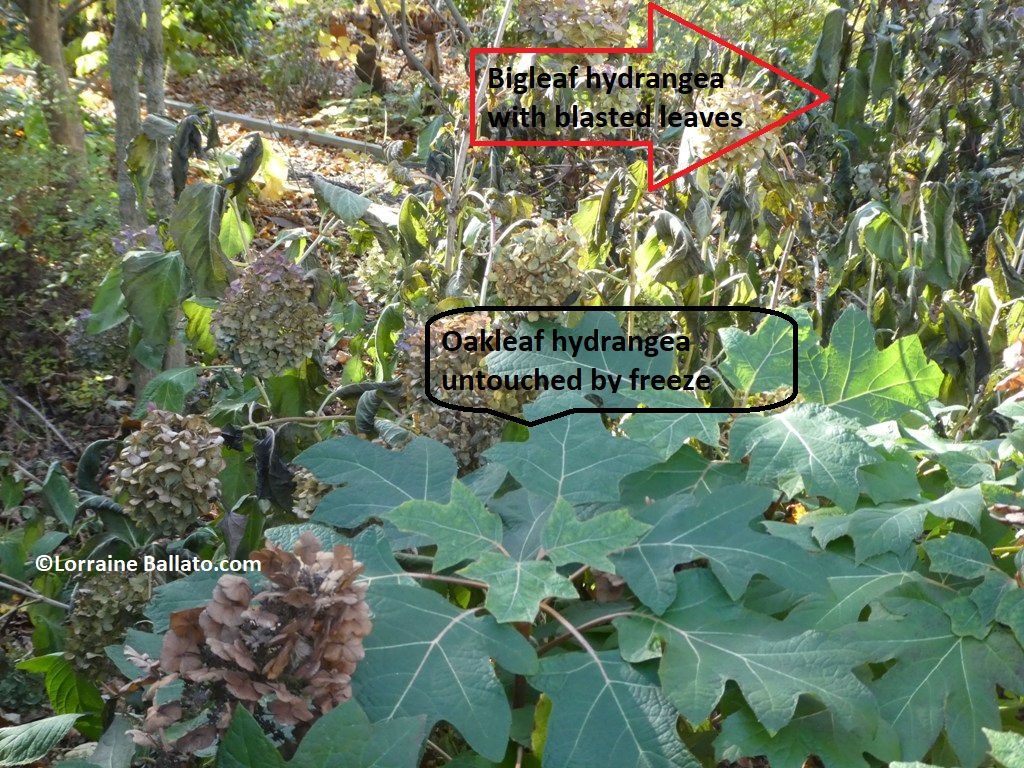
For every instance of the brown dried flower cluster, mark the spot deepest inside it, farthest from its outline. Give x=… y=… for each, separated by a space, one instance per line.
x=757 y=113
x=167 y=472
x=290 y=649
x=466 y=434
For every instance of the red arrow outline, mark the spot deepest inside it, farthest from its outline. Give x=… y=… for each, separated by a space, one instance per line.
x=652 y=8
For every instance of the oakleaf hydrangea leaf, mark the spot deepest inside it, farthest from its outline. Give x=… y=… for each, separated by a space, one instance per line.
x=514 y=588
x=568 y=540
x=763 y=360
x=853 y=377
x=463 y=529
x=940 y=680
x=718 y=528
x=375 y=479
x=812 y=731
x=875 y=531
x=666 y=432
x=607 y=712
x=809 y=443
x=573 y=457
x=705 y=640
x=427 y=657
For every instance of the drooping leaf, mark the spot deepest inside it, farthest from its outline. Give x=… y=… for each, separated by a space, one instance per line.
x=90 y=466
x=824 y=68
x=412 y=229
x=463 y=529
x=61 y=500
x=153 y=284
x=168 y=390
x=141 y=162
x=761 y=361
x=248 y=164
x=426 y=657
x=704 y=639
x=273 y=478
x=807 y=446
x=944 y=253
x=855 y=379
x=940 y=680
x=573 y=457
x=21 y=744
x=108 y=309
x=195 y=228
x=718 y=528
x=853 y=98
x=591 y=691
x=567 y=540
x=197 y=328
x=515 y=588
x=236 y=232
x=375 y=480
x=347 y=206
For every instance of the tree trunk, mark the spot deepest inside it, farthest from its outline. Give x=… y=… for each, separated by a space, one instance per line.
x=124 y=55
x=153 y=79
x=60 y=106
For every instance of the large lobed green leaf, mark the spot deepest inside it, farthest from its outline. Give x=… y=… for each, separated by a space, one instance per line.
x=761 y=361
x=608 y=712
x=705 y=640
x=375 y=479
x=856 y=379
x=574 y=458
x=807 y=447
x=940 y=680
x=718 y=528
x=427 y=657
x=463 y=529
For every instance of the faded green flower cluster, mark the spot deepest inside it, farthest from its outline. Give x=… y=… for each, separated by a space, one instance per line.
x=757 y=112
x=378 y=271
x=266 y=320
x=576 y=23
x=537 y=267
x=167 y=472
x=104 y=608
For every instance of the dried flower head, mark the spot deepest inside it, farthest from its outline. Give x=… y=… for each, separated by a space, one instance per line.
x=266 y=320
x=167 y=472
x=290 y=648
